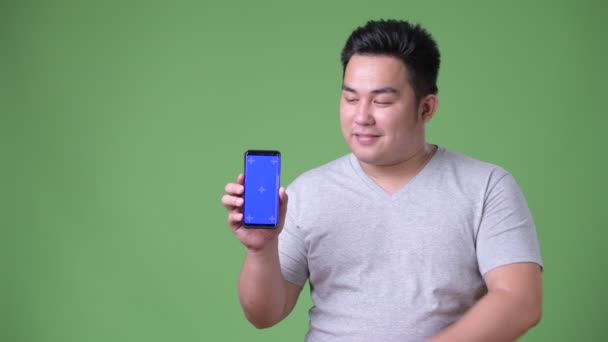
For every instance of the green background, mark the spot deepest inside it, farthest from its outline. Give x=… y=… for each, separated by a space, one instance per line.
x=121 y=122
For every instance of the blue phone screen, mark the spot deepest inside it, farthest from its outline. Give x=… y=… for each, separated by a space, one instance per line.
x=262 y=173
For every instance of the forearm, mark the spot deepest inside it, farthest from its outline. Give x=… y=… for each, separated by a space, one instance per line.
x=262 y=290
x=498 y=316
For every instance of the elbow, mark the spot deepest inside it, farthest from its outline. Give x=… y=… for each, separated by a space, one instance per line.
x=261 y=323
x=263 y=319
x=261 y=316
x=525 y=310
x=530 y=313
x=535 y=316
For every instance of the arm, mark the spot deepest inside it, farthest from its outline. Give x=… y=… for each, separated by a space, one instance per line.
x=265 y=296
x=512 y=305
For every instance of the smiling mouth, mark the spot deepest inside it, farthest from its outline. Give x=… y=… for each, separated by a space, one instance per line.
x=366 y=139
x=367 y=135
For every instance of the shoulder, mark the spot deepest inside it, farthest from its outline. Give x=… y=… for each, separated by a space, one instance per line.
x=461 y=162
x=465 y=174
x=468 y=167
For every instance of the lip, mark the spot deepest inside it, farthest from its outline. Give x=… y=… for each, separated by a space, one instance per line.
x=365 y=134
x=366 y=138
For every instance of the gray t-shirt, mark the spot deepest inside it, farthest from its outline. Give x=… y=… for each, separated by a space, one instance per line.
x=401 y=267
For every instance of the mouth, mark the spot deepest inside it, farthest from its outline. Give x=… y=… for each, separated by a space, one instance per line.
x=366 y=134
x=366 y=138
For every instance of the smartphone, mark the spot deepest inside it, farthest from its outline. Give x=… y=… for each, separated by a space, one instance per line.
x=261 y=197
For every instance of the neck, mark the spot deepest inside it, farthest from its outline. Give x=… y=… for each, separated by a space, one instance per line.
x=392 y=177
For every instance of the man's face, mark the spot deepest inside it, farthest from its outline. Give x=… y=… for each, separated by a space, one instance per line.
x=379 y=116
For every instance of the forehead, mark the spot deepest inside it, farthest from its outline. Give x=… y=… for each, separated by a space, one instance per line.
x=364 y=72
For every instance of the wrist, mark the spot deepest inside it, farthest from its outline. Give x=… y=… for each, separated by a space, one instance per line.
x=268 y=249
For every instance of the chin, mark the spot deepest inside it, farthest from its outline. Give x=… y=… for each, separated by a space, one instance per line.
x=368 y=157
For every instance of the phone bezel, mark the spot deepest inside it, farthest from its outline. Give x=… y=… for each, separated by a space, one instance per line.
x=260 y=153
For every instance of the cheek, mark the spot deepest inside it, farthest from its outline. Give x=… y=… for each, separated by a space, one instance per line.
x=390 y=119
x=345 y=125
x=345 y=116
x=396 y=124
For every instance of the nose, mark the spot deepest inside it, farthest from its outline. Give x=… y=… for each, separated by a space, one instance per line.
x=364 y=115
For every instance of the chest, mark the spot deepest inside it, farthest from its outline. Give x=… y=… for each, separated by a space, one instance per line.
x=360 y=241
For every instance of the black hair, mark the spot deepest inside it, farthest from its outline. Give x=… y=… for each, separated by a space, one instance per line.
x=412 y=44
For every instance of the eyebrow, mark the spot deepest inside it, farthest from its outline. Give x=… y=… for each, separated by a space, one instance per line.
x=383 y=90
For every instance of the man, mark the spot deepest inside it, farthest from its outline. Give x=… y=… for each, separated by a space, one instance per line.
x=400 y=240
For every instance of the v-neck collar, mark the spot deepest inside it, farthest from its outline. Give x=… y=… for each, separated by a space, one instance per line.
x=379 y=192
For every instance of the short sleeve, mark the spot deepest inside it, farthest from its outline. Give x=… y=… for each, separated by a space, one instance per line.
x=292 y=247
x=507 y=233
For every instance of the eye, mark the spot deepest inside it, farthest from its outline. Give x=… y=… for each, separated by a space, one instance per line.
x=383 y=102
x=351 y=99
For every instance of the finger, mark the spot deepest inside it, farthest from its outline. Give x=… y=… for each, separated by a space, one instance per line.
x=232 y=202
x=282 y=196
x=240 y=179
x=235 y=220
x=283 y=199
x=234 y=189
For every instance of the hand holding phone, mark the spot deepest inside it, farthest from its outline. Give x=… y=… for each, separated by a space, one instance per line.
x=252 y=239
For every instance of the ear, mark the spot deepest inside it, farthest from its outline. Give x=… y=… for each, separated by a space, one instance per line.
x=427 y=107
